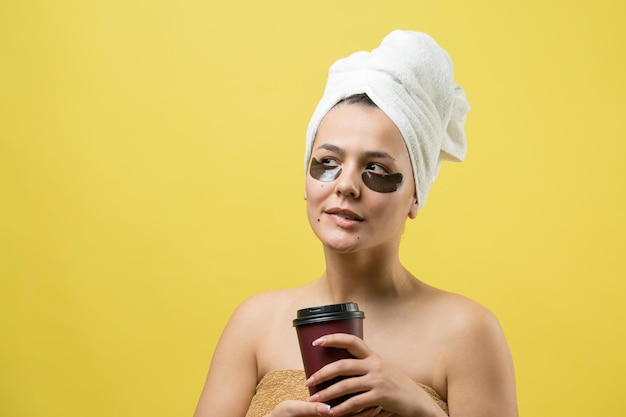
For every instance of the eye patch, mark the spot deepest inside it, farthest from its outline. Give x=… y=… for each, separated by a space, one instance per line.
x=382 y=183
x=322 y=172
x=375 y=182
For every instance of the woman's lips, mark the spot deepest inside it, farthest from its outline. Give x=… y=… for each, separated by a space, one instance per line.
x=343 y=217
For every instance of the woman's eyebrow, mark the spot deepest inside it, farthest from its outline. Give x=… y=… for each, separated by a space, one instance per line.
x=378 y=154
x=366 y=154
x=332 y=148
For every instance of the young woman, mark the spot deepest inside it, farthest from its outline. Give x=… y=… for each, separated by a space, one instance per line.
x=374 y=145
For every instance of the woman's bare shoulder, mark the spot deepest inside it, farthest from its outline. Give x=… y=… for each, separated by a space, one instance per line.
x=270 y=304
x=467 y=326
x=459 y=318
x=283 y=296
x=456 y=309
x=478 y=361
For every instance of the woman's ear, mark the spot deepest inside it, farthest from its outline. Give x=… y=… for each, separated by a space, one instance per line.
x=413 y=210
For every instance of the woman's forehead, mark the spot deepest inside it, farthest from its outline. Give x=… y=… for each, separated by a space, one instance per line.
x=359 y=128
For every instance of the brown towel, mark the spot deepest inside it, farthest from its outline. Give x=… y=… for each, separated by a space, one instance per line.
x=278 y=386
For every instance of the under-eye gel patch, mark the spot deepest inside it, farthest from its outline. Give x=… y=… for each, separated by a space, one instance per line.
x=322 y=172
x=382 y=183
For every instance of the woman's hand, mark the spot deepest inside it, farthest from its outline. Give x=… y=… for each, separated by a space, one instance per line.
x=381 y=390
x=293 y=408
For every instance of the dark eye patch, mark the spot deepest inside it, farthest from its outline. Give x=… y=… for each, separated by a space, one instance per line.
x=323 y=172
x=376 y=182
x=382 y=183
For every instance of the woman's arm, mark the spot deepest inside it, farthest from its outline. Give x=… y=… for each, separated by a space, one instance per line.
x=232 y=378
x=481 y=378
x=233 y=375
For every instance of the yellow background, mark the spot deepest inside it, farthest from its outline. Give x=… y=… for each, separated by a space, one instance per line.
x=151 y=179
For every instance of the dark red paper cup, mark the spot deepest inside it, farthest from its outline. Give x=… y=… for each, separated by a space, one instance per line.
x=314 y=322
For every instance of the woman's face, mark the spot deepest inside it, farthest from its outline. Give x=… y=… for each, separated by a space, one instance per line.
x=359 y=187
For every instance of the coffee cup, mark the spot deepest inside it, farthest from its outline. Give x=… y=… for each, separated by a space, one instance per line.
x=314 y=322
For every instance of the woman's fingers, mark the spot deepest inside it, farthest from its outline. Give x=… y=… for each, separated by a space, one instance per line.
x=361 y=402
x=370 y=412
x=353 y=344
x=292 y=408
x=371 y=381
x=345 y=367
x=350 y=370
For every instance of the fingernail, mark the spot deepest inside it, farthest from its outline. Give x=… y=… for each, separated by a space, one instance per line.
x=323 y=410
x=309 y=382
x=318 y=342
x=313 y=398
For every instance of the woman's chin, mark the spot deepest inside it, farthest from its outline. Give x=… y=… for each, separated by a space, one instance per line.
x=343 y=245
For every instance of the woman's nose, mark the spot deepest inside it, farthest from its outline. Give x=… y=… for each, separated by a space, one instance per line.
x=349 y=183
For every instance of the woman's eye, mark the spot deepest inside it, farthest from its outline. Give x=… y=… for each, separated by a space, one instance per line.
x=325 y=169
x=330 y=162
x=376 y=169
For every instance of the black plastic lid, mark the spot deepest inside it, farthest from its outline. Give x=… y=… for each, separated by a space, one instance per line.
x=330 y=312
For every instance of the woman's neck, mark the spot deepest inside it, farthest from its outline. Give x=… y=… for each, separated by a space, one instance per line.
x=362 y=277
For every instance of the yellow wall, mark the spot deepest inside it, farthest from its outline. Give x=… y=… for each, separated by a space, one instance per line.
x=151 y=179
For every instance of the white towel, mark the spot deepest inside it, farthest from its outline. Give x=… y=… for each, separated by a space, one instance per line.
x=410 y=78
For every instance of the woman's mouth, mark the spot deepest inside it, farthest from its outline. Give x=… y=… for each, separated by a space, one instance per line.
x=344 y=217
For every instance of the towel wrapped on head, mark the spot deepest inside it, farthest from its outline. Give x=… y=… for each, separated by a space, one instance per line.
x=410 y=78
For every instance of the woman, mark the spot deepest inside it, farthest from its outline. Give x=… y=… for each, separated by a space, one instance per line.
x=374 y=146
